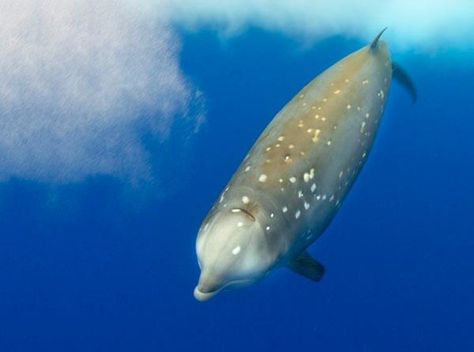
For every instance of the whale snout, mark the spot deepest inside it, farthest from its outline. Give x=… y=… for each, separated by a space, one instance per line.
x=203 y=296
x=207 y=287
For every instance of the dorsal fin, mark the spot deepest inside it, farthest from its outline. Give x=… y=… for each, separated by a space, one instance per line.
x=400 y=75
x=373 y=45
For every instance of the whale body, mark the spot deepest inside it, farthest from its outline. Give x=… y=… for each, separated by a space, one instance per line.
x=295 y=177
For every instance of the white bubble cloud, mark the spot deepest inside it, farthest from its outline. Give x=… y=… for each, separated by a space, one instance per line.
x=79 y=80
x=420 y=24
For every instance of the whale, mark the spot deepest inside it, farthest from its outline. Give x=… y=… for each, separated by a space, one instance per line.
x=295 y=177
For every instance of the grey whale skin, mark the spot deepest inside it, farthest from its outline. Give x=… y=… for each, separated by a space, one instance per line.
x=292 y=182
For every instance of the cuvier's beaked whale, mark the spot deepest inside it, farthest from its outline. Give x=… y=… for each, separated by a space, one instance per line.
x=292 y=182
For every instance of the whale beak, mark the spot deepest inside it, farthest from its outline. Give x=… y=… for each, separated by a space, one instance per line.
x=203 y=296
x=207 y=287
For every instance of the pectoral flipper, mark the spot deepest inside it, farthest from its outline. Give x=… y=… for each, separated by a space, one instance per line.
x=307 y=266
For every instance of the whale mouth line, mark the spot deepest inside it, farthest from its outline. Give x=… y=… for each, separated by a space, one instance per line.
x=203 y=296
x=207 y=292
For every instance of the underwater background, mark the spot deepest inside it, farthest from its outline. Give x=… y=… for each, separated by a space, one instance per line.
x=95 y=265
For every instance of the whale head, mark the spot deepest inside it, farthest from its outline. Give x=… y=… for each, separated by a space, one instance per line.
x=232 y=251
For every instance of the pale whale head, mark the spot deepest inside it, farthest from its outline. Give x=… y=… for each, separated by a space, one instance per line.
x=232 y=251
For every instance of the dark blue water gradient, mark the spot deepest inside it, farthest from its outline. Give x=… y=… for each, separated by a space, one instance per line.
x=84 y=268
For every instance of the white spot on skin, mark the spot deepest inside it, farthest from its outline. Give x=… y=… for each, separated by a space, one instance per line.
x=267 y=228
x=337 y=91
x=329 y=142
x=284 y=209
x=268 y=149
x=348 y=106
x=292 y=179
x=300 y=194
x=381 y=94
x=331 y=198
x=316 y=116
x=306 y=177
x=297 y=214
x=316 y=135
x=272 y=215
x=280 y=180
x=341 y=173
x=281 y=138
x=236 y=210
x=262 y=178
x=247 y=169
x=245 y=200
x=291 y=146
x=313 y=187
x=318 y=197
x=240 y=224
x=287 y=158
x=362 y=126
x=306 y=205
x=236 y=250
x=277 y=145
x=365 y=81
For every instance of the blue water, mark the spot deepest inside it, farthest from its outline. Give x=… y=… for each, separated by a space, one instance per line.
x=93 y=266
